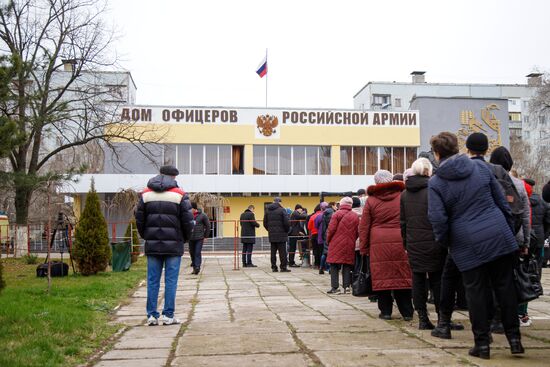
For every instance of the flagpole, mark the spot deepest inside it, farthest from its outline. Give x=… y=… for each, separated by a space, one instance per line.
x=266 y=76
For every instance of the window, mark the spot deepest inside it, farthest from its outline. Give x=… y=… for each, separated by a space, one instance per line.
x=542 y=119
x=169 y=155
x=299 y=163
x=512 y=101
x=291 y=160
x=525 y=119
x=385 y=158
x=197 y=160
x=224 y=159
x=272 y=159
x=526 y=104
x=346 y=160
x=372 y=160
x=238 y=160
x=358 y=160
x=514 y=116
x=410 y=156
x=381 y=99
x=259 y=160
x=324 y=160
x=398 y=102
x=184 y=159
x=285 y=160
x=312 y=161
x=398 y=160
x=211 y=161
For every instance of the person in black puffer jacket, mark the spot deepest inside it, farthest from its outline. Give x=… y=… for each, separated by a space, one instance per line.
x=426 y=257
x=248 y=235
x=540 y=223
x=200 y=232
x=164 y=221
x=277 y=224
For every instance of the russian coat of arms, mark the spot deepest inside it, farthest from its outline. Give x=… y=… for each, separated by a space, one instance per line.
x=266 y=124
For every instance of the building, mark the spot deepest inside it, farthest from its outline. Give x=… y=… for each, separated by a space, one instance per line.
x=250 y=155
x=398 y=96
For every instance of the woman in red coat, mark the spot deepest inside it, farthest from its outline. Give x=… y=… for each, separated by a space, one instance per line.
x=342 y=233
x=380 y=238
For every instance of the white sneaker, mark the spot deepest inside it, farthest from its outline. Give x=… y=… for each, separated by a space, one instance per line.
x=170 y=320
x=525 y=321
x=152 y=321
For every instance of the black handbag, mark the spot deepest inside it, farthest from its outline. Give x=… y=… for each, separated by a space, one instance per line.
x=362 y=286
x=526 y=277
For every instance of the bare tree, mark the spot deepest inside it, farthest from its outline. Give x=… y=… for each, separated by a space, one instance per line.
x=57 y=51
x=531 y=152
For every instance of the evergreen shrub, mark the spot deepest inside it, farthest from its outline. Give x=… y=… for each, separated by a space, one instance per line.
x=91 y=250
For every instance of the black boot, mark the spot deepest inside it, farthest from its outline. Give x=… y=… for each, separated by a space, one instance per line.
x=443 y=328
x=516 y=347
x=424 y=322
x=480 y=351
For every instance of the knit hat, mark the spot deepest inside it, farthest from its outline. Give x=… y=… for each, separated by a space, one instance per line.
x=408 y=173
x=502 y=156
x=477 y=142
x=277 y=199
x=169 y=171
x=530 y=181
x=398 y=177
x=298 y=206
x=546 y=192
x=383 y=176
x=346 y=201
x=356 y=202
x=324 y=205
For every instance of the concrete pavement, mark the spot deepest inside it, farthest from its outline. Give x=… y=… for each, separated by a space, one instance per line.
x=253 y=317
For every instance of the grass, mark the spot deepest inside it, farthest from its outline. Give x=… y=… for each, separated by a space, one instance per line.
x=62 y=328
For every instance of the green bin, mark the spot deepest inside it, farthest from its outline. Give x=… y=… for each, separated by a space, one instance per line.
x=121 y=255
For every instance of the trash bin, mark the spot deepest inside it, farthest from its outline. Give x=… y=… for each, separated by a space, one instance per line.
x=121 y=255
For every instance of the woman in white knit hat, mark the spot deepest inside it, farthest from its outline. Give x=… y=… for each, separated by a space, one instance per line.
x=380 y=238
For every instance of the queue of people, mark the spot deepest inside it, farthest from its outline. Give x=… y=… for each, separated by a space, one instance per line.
x=458 y=227
x=461 y=222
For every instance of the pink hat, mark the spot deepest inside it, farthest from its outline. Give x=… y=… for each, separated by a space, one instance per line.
x=346 y=201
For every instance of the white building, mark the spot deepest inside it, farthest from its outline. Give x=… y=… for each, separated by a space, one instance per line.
x=398 y=95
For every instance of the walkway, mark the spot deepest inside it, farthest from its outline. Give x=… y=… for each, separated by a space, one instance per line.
x=253 y=317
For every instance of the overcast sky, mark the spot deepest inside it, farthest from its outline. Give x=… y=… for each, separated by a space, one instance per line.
x=321 y=53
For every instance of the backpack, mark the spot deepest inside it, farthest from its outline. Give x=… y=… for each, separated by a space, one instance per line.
x=511 y=195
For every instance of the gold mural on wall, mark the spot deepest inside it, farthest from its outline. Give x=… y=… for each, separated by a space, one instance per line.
x=489 y=125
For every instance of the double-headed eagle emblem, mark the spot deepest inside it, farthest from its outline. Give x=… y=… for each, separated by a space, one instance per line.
x=266 y=124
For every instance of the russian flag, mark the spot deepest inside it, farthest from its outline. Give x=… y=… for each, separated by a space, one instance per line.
x=262 y=68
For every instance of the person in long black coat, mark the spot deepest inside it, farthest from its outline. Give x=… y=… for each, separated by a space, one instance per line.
x=540 y=223
x=248 y=235
x=426 y=257
x=277 y=223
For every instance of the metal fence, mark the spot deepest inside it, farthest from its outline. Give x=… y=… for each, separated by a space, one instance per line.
x=40 y=236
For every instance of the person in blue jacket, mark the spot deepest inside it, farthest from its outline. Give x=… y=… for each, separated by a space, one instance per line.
x=471 y=217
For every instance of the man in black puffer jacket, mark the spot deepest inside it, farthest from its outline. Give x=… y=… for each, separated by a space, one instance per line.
x=277 y=224
x=165 y=222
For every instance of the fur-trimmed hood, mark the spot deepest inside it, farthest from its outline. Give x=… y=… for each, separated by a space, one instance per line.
x=386 y=191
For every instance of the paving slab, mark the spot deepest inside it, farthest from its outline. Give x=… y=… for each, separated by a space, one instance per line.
x=388 y=358
x=244 y=360
x=157 y=362
x=344 y=341
x=253 y=317
x=235 y=344
x=122 y=354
